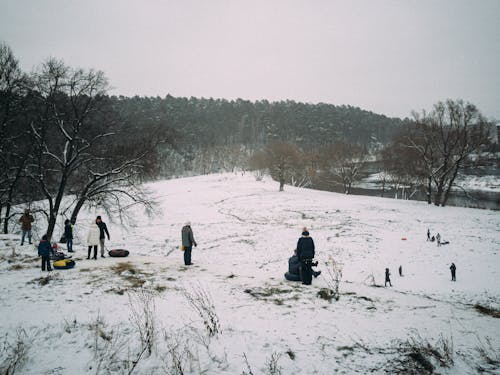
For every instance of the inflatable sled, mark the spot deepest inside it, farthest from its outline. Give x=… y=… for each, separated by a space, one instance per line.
x=118 y=253
x=292 y=276
x=64 y=264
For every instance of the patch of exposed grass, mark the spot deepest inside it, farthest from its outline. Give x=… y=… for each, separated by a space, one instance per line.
x=17 y=267
x=486 y=310
x=121 y=267
x=160 y=288
x=326 y=294
x=44 y=280
x=135 y=282
x=232 y=276
x=85 y=269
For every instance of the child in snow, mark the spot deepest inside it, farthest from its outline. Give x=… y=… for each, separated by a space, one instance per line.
x=44 y=249
x=387 y=277
x=453 y=269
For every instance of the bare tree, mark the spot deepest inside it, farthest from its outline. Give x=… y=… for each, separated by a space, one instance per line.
x=13 y=153
x=453 y=135
x=64 y=132
x=342 y=164
x=285 y=162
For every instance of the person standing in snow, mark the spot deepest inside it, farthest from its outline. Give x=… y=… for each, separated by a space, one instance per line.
x=26 y=220
x=68 y=234
x=93 y=238
x=428 y=234
x=103 y=230
x=453 y=269
x=438 y=239
x=188 y=242
x=400 y=271
x=44 y=249
x=305 y=252
x=387 y=277
x=293 y=273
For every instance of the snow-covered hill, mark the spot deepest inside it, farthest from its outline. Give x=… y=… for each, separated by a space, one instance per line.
x=88 y=319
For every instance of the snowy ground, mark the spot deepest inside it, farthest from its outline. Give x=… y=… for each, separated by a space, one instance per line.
x=83 y=320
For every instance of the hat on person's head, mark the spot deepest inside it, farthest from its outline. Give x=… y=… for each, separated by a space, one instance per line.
x=98 y=217
x=305 y=233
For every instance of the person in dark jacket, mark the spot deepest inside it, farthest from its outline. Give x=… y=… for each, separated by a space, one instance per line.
x=453 y=269
x=293 y=273
x=26 y=220
x=400 y=271
x=68 y=234
x=305 y=252
x=188 y=242
x=103 y=229
x=44 y=249
x=387 y=277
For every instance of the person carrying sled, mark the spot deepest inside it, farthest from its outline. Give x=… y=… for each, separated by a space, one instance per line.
x=305 y=252
x=44 y=250
x=103 y=230
x=188 y=242
x=26 y=220
x=68 y=234
x=387 y=277
x=453 y=270
x=93 y=238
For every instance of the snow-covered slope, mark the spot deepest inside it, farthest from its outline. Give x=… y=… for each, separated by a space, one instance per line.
x=86 y=320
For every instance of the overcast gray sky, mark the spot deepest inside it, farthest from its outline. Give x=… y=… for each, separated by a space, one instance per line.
x=389 y=57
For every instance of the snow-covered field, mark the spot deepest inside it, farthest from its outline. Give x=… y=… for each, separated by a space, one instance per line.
x=88 y=319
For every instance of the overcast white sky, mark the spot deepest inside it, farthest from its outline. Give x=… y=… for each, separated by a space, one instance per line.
x=389 y=57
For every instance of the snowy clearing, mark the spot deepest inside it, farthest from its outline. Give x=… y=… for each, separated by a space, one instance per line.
x=93 y=318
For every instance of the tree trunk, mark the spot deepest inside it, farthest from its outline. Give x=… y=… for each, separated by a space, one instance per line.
x=6 y=218
x=429 y=190
x=54 y=211
x=450 y=183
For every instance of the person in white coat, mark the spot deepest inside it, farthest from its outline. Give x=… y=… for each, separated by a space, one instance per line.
x=93 y=238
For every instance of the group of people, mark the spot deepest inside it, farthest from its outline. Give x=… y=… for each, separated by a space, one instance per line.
x=97 y=233
x=301 y=262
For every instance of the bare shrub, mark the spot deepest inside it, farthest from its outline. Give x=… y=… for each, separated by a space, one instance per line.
x=142 y=307
x=489 y=355
x=107 y=346
x=249 y=368
x=332 y=281
x=14 y=354
x=178 y=357
x=419 y=356
x=272 y=367
x=202 y=302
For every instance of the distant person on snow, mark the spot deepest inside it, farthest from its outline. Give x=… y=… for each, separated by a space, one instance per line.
x=305 y=252
x=293 y=273
x=93 y=238
x=188 y=242
x=26 y=220
x=387 y=277
x=438 y=239
x=103 y=229
x=428 y=234
x=400 y=270
x=44 y=250
x=453 y=269
x=68 y=234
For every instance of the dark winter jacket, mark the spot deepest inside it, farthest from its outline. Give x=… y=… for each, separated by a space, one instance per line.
x=44 y=248
x=294 y=265
x=387 y=276
x=453 y=267
x=187 y=236
x=26 y=221
x=103 y=229
x=68 y=231
x=305 y=248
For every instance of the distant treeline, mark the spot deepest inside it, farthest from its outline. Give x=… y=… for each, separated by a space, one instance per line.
x=201 y=122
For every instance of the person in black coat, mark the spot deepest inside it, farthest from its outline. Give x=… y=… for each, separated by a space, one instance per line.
x=387 y=277
x=453 y=269
x=68 y=234
x=44 y=249
x=305 y=252
x=103 y=229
